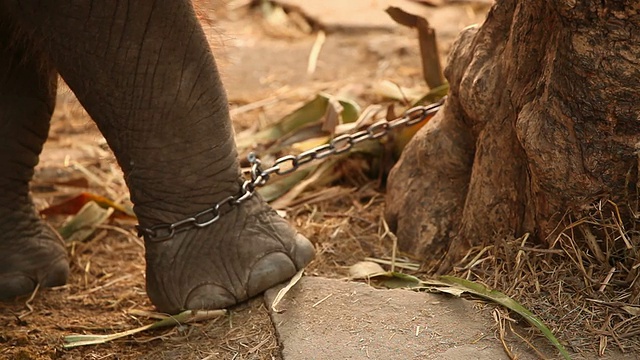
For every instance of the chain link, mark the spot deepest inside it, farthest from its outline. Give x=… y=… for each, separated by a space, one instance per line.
x=286 y=165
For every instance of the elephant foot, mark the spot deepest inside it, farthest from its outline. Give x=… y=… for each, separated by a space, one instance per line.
x=249 y=250
x=32 y=253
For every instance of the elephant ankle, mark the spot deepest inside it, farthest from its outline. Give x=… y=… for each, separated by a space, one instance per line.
x=199 y=204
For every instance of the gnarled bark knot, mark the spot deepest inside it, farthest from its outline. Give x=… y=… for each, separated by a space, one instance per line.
x=543 y=117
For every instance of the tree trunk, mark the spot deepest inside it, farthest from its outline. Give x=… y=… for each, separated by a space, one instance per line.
x=543 y=119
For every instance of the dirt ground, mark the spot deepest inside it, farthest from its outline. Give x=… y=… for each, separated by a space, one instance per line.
x=262 y=63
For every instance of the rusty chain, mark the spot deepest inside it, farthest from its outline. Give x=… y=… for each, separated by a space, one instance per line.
x=259 y=177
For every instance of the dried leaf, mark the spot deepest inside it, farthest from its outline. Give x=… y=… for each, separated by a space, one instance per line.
x=394 y=91
x=631 y=310
x=332 y=116
x=308 y=144
x=70 y=181
x=431 y=67
x=281 y=294
x=451 y=291
x=369 y=270
x=365 y=270
x=184 y=317
x=324 y=174
x=74 y=204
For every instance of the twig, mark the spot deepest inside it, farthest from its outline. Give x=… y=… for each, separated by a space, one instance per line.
x=606 y=280
x=531 y=346
x=394 y=238
x=501 y=333
x=28 y=303
x=322 y=300
x=78 y=296
x=315 y=52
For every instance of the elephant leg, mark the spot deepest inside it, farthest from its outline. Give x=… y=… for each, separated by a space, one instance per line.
x=30 y=251
x=145 y=73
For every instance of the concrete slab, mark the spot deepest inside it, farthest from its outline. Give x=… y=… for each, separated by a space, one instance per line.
x=332 y=319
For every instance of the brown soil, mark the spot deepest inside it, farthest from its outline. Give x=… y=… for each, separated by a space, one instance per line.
x=107 y=271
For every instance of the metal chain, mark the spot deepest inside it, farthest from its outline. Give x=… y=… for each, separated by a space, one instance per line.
x=259 y=177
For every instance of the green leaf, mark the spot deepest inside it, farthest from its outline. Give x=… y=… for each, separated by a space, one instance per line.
x=280 y=185
x=84 y=223
x=306 y=118
x=504 y=300
x=433 y=95
x=402 y=281
x=309 y=113
x=351 y=110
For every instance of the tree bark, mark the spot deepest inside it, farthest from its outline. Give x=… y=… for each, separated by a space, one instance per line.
x=543 y=118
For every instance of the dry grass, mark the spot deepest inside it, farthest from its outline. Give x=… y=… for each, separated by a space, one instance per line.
x=583 y=286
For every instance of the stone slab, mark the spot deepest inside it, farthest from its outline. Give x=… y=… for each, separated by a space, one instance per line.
x=331 y=319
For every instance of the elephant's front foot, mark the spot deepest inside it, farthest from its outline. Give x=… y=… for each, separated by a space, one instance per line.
x=31 y=253
x=249 y=250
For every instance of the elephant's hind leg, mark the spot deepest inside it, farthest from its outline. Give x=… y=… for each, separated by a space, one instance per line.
x=30 y=251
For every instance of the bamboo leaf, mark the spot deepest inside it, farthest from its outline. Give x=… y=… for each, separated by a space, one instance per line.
x=308 y=113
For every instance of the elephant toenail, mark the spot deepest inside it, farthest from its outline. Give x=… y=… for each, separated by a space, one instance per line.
x=210 y=297
x=56 y=274
x=303 y=252
x=13 y=285
x=271 y=270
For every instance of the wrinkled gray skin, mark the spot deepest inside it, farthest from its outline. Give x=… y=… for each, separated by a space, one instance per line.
x=144 y=72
